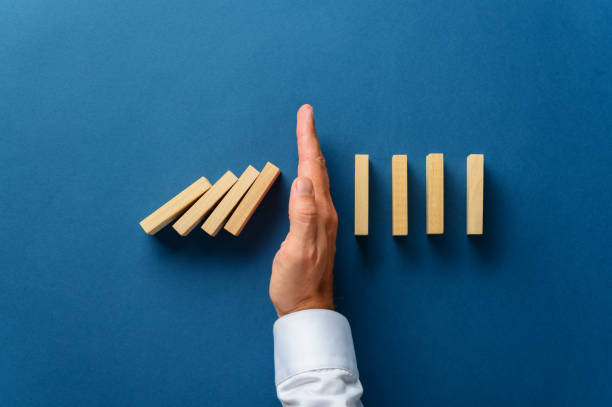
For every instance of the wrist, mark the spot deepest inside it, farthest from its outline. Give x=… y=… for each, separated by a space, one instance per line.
x=319 y=303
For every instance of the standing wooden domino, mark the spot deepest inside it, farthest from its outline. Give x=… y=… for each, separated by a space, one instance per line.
x=435 y=194
x=252 y=199
x=174 y=207
x=399 y=170
x=198 y=211
x=475 y=193
x=217 y=218
x=362 y=193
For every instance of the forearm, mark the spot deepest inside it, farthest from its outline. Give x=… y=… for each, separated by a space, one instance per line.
x=314 y=360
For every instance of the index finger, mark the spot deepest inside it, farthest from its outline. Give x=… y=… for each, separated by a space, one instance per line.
x=312 y=162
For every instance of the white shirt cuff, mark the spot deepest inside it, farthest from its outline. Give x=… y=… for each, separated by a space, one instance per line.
x=310 y=340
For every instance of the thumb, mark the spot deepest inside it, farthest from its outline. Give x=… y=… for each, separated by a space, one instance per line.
x=302 y=210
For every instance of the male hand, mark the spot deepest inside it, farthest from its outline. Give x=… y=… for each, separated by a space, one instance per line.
x=302 y=271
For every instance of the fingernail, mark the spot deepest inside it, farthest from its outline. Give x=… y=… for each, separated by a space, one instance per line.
x=304 y=186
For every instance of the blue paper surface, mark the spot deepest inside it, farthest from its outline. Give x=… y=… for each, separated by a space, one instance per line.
x=108 y=108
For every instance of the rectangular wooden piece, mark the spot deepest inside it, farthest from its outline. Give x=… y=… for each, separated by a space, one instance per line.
x=194 y=215
x=252 y=199
x=362 y=194
x=217 y=218
x=174 y=207
x=475 y=194
x=399 y=178
x=435 y=193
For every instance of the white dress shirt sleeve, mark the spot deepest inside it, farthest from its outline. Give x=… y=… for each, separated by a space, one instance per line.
x=314 y=360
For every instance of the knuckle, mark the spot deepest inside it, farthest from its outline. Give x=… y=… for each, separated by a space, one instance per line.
x=298 y=259
x=301 y=255
x=320 y=159
x=283 y=256
x=309 y=254
x=305 y=216
x=334 y=218
x=317 y=160
x=331 y=218
x=305 y=212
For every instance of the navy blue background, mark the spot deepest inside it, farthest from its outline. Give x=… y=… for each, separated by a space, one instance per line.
x=108 y=108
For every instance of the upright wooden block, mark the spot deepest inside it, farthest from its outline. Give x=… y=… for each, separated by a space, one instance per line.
x=217 y=218
x=174 y=207
x=435 y=194
x=362 y=194
x=475 y=193
x=198 y=211
x=399 y=171
x=252 y=199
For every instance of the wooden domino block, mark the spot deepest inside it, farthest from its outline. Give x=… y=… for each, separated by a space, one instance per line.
x=198 y=211
x=252 y=199
x=435 y=194
x=174 y=207
x=399 y=171
x=362 y=193
x=475 y=193
x=217 y=218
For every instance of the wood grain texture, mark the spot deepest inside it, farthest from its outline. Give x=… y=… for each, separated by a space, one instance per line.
x=252 y=199
x=174 y=207
x=399 y=194
x=435 y=194
x=194 y=215
x=221 y=213
x=475 y=194
x=362 y=194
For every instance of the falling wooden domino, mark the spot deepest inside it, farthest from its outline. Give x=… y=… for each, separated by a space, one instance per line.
x=475 y=193
x=194 y=215
x=217 y=218
x=174 y=207
x=252 y=199
x=435 y=194
x=362 y=175
x=399 y=171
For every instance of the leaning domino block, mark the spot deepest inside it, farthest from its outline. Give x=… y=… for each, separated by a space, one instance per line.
x=217 y=218
x=362 y=193
x=399 y=192
x=435 y=194
x=174 y=207
x=198 y=211
x=252 y=199
x=475 y=193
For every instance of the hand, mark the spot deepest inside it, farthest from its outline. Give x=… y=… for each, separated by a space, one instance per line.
x=302 y=271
